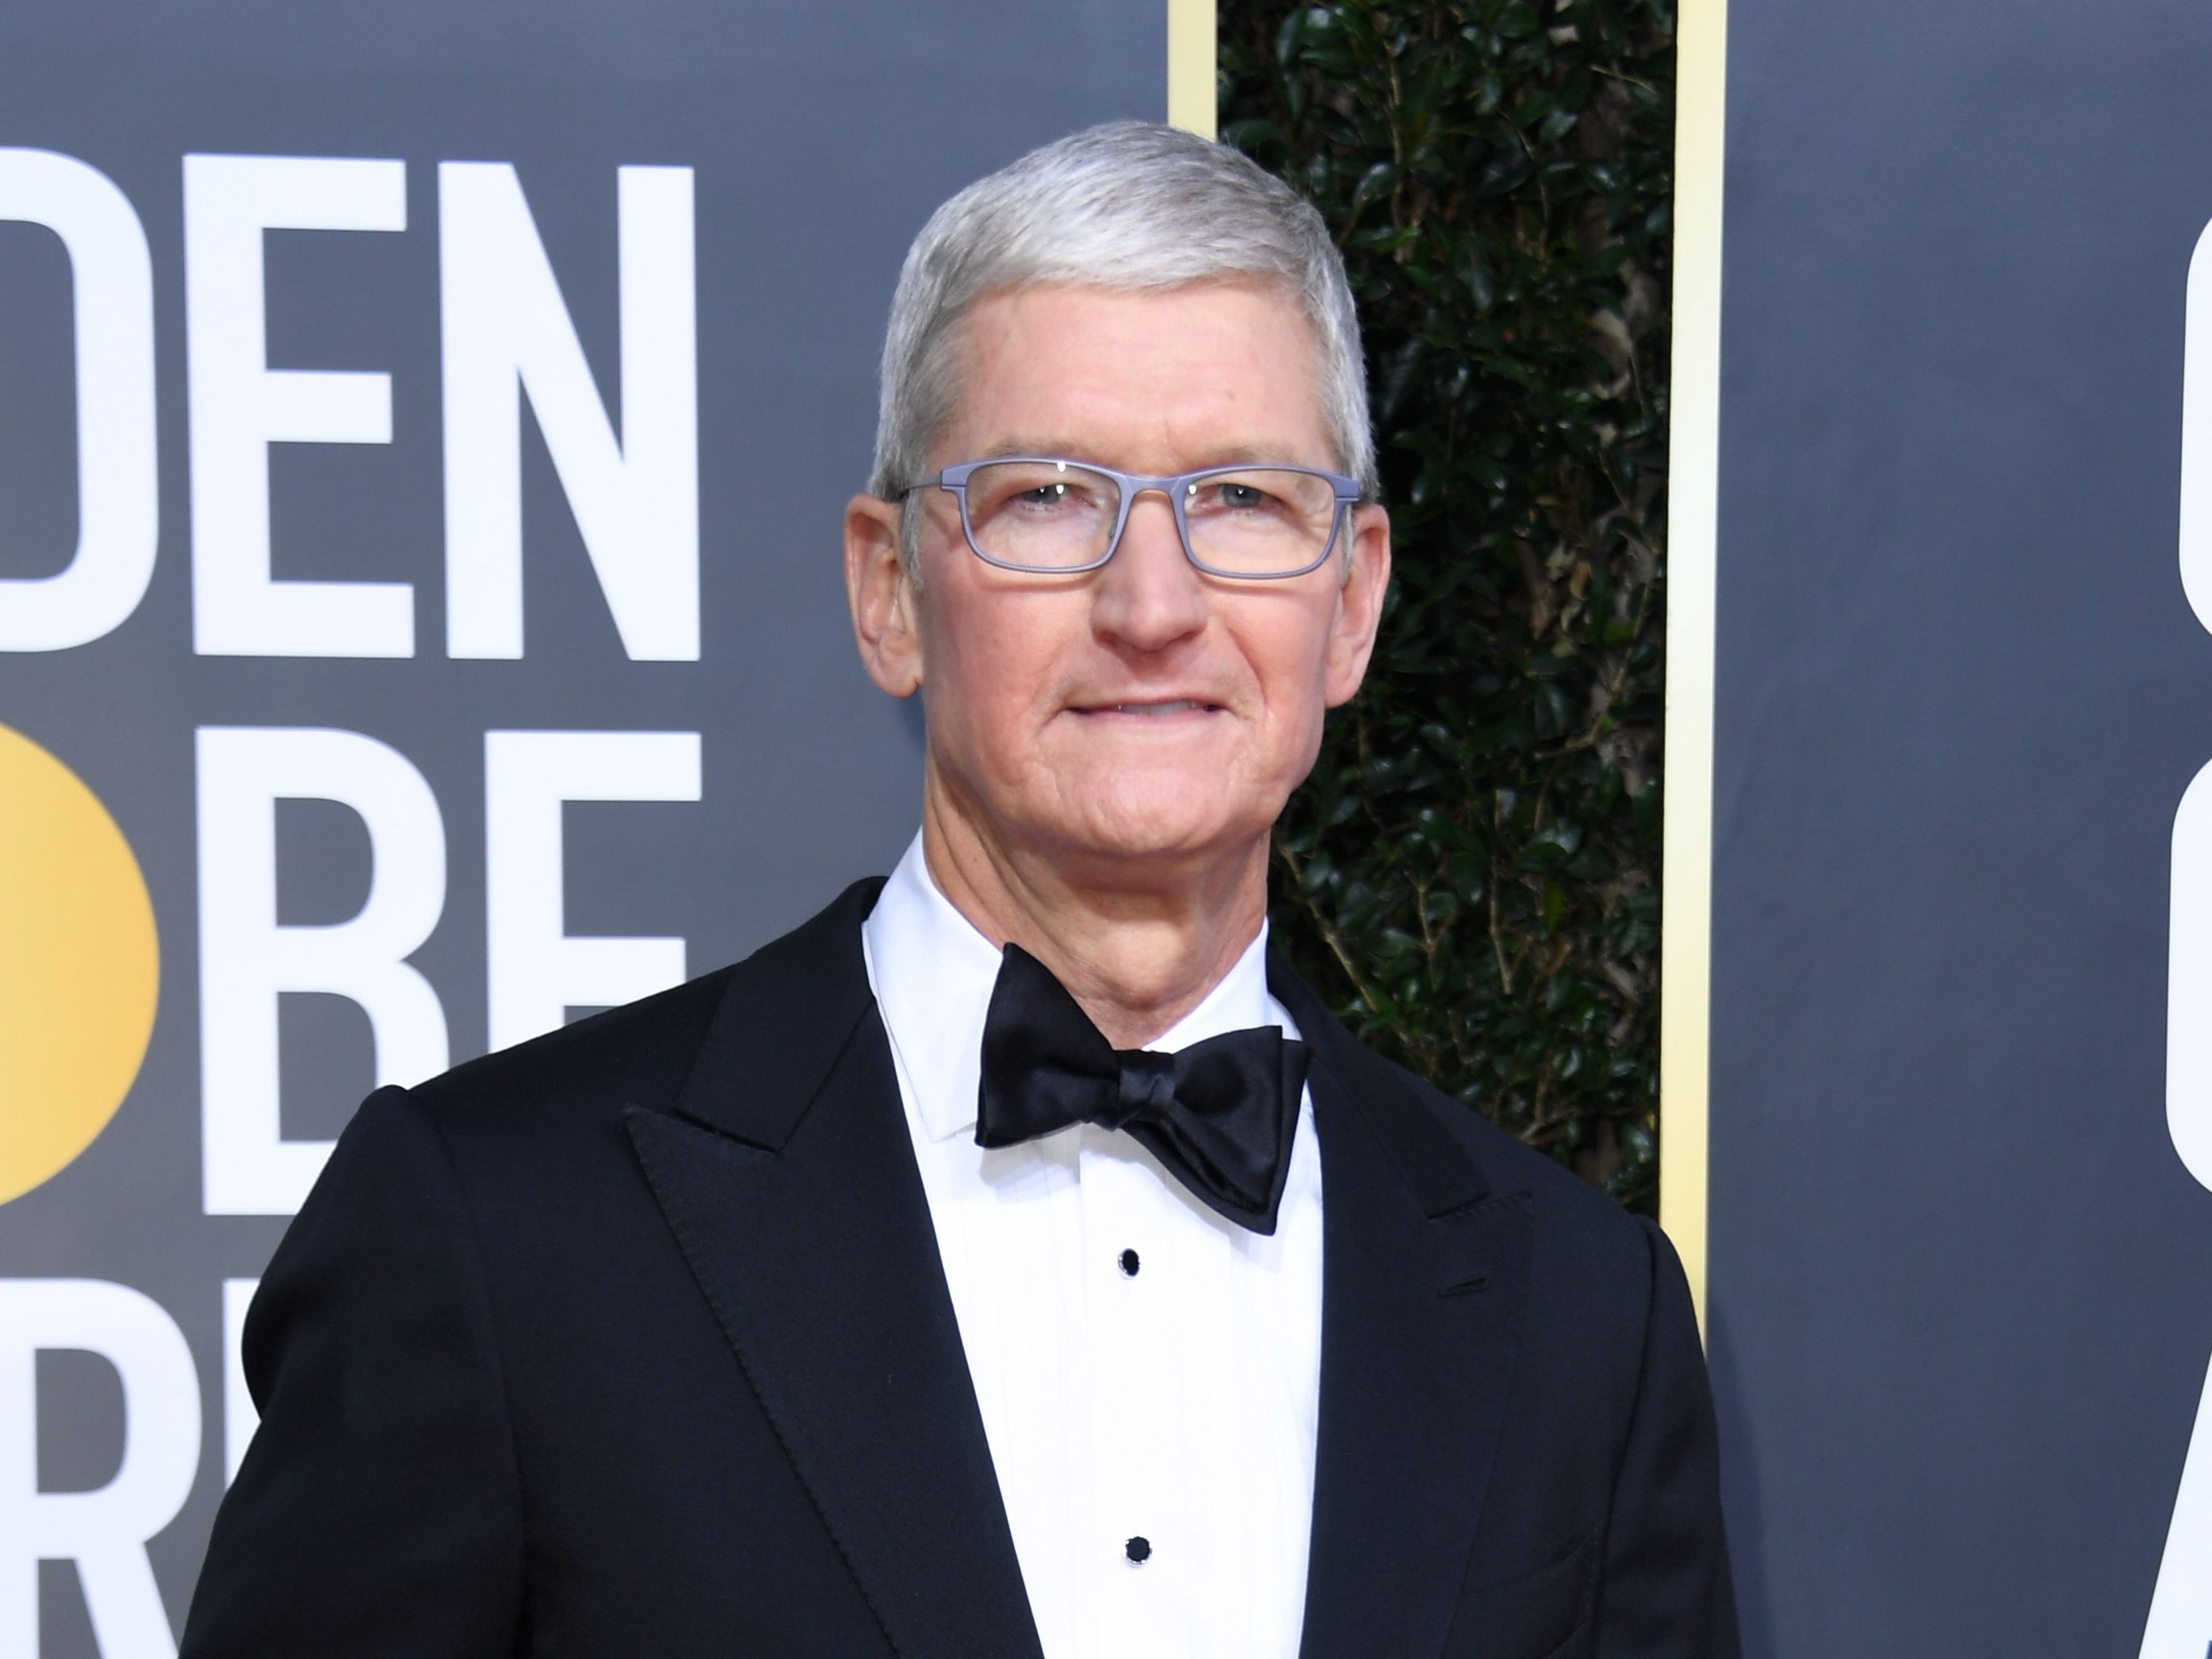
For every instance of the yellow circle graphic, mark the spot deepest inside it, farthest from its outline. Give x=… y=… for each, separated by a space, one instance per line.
x=79 y=966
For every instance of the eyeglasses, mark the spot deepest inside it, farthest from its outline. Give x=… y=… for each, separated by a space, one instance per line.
x=1051 y=517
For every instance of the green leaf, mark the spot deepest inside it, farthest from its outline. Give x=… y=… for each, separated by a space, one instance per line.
x=1374 y=185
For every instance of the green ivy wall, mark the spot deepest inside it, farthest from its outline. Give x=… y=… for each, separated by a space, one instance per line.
x=1472 y=874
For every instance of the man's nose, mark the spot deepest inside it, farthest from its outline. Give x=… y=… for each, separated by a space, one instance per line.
x=1149 y=595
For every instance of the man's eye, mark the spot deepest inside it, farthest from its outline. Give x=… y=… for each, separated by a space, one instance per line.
x=1055 y=498
x=1236 y=497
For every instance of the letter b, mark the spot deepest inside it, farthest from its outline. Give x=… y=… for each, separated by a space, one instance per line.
x=247 y=960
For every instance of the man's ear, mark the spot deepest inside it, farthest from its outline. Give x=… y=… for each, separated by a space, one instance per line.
x=1358 y=603
x=881 y=595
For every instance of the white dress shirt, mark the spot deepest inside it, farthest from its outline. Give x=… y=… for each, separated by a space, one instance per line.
x=1146 y=1370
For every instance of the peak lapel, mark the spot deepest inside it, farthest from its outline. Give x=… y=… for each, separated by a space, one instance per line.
x=792 y=1192
x=1425 y=1276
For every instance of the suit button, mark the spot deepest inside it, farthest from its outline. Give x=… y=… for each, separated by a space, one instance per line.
x=1139 y=1550
x=1129 y=1265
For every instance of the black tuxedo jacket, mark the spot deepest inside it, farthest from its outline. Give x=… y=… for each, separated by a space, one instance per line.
x=634 y=1341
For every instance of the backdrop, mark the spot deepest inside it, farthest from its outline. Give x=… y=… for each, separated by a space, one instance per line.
x=1960 y=1291
x=414 y=419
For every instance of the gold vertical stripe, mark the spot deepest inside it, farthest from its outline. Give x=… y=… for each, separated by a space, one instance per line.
x=1191 y=94
x=1693 y=510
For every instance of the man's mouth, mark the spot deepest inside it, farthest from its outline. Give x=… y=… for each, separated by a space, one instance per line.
x=1168 y=706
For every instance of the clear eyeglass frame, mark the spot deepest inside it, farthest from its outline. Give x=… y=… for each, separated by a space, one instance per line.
x=953 y=480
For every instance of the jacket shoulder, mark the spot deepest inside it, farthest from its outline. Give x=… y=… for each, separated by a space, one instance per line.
x=1507 y=1163
x=1597 y=1276
x=788 y=996
x=1445 y=1150
x=638 y=1054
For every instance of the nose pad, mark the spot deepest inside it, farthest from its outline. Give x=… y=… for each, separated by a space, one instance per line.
x=1171 y=528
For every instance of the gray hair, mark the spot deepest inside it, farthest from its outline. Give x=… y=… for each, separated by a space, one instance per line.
x=1131 y=206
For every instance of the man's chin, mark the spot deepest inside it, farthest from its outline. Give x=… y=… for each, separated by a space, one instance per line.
x=1162 y=835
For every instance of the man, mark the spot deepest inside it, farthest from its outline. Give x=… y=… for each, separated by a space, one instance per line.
x=1015 y=1259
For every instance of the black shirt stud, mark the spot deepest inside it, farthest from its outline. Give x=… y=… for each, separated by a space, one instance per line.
x=1129 y=1265
x=1139 y=1550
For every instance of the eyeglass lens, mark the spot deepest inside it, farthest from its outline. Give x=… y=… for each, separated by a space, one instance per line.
x=1051 y=515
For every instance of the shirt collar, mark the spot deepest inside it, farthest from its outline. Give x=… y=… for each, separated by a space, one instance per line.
x=933 y=973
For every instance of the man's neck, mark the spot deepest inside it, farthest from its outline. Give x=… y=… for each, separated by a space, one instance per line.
x=1137 y=956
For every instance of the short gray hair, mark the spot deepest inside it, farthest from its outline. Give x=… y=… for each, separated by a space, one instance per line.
x=1131 y=206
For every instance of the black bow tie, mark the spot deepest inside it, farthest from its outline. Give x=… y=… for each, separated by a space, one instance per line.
x=1220 y=1114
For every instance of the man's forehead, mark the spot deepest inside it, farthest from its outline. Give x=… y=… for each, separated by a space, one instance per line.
x=1080 y=297
x=1043 y=363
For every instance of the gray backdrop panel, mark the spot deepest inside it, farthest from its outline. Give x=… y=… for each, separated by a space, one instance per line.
x=1962 y=1285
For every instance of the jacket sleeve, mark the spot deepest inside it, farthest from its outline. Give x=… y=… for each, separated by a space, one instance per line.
x=377 y=1511
x=1665 y=1591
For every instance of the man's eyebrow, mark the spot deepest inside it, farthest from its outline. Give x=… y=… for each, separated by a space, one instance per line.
x=1241 y=454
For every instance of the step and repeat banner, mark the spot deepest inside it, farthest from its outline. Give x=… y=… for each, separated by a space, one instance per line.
x=424 y=430
x=1960 y=1295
